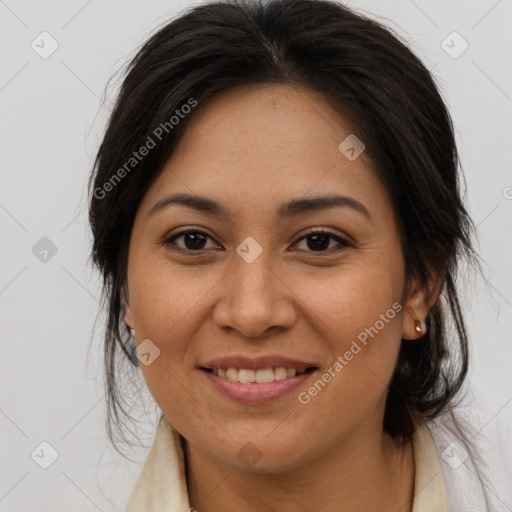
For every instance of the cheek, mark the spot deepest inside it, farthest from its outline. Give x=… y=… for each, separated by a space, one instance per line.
x=357 y=313
x=348 y=300
x=165 y=304
x=165 y=297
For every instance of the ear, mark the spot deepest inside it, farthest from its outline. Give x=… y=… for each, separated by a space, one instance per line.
x=128 y=316
x=417 y=304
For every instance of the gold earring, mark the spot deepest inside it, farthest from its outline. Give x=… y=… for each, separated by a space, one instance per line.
x=132 y=332
x=420 y=326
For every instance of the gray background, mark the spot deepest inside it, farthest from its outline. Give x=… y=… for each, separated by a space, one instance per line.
x=51 y=124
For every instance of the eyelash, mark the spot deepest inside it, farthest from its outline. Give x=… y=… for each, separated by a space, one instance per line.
x=168 y=241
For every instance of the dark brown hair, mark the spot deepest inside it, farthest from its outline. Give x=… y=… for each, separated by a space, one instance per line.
x=365 y=71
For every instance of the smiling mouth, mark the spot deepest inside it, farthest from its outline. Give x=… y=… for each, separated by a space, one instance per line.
x=247 y=376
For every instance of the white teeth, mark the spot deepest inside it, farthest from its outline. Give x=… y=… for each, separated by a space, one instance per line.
x=281 y=373
x=232 y=374
x=246 y=375
x=264 y=375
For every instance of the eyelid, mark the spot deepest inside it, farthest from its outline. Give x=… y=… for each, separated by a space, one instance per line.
x=343 y=241
x=327 y=231
x=168 y=240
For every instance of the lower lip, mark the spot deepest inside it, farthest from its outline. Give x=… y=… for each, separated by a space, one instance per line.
x=256 y=392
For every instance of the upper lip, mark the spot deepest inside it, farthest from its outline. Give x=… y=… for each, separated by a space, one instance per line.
x=256 y=363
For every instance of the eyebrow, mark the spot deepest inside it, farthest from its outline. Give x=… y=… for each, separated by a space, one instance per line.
x=289 y=209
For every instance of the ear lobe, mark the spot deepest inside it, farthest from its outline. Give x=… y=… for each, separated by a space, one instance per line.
x=128 y=317
x=418 y=305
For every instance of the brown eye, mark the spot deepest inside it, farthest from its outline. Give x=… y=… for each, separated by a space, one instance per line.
x=319 y=241
x=196 y=241
x=193 y=240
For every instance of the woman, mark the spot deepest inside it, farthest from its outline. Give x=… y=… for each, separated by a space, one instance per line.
x=277 y=217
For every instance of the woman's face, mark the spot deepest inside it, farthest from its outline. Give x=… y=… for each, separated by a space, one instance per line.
x=250 y=288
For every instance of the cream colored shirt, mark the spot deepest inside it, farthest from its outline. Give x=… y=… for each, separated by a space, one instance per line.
x=162 y=487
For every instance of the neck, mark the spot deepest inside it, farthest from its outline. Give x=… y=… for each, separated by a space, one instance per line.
x=369 y=471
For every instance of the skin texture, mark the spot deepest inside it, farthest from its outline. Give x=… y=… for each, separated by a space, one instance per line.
x=251 y=149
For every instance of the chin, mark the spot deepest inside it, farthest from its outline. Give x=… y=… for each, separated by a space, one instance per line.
x=259 y=454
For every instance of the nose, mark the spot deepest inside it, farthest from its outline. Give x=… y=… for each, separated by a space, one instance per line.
x=256 y=298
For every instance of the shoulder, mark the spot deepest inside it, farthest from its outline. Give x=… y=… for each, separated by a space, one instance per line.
x=473 y=480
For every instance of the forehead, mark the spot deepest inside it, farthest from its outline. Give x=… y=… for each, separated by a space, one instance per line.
x=266 y=143
x=285 y=117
